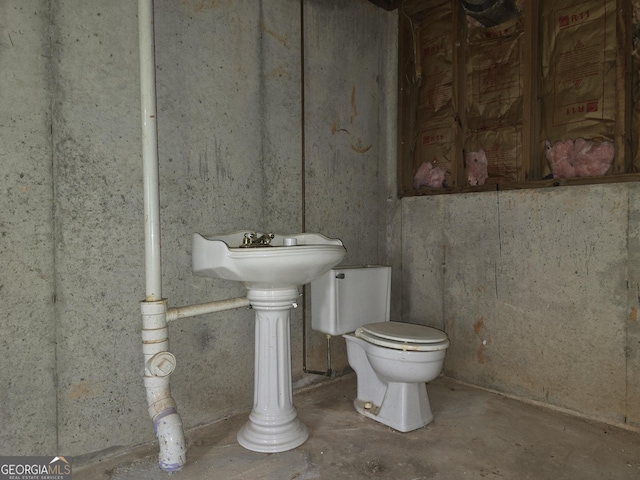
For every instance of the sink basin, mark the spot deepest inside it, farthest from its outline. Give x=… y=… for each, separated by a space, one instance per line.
x=289 y=261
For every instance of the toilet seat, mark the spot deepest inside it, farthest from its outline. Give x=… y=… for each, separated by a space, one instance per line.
x=404 y=336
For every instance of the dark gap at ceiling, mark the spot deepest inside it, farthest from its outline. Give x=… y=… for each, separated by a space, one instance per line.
x=387 y=4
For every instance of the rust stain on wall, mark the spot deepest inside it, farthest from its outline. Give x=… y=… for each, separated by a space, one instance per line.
x=354 y=110
x=335 y=129
x=359 y=147
x=477 y=326
x=633 y=315
x=278 y=72
x=275 y=35
x=81 y=391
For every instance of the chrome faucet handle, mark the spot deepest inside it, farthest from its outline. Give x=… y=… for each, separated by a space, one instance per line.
x=249 y=238
x=265 y=239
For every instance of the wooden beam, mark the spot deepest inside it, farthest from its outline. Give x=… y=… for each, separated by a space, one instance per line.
x=532 y=157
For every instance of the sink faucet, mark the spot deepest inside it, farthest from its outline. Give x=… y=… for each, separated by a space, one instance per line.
x=251 y=239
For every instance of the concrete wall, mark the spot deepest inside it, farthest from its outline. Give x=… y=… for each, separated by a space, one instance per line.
x=230 y=147
x=350 y=118
x=537 y=289
x=27 y=320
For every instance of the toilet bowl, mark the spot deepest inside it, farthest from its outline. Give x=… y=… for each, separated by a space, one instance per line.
x=392 y=379
x=393 y=361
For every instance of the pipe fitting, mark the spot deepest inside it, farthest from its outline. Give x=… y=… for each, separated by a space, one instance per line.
x=159 y=364
x=169 y=432
x=162 y=364
x=158 y=395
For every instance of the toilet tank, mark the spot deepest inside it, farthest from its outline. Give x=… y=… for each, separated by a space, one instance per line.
x=346 y=298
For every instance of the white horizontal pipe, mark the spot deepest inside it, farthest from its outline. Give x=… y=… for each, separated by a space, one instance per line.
x=202 y=308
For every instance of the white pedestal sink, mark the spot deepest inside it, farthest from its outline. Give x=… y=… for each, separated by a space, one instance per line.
x=272 y=275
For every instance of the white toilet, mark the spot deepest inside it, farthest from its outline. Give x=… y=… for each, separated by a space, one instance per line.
x=392 y=360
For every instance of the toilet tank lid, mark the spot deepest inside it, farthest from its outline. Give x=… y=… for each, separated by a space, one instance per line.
x=405 y=332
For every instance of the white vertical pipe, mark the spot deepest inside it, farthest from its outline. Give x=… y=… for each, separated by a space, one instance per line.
x=159 y=362
x=153 y=267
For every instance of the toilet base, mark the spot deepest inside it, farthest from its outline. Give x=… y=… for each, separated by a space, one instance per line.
x=405 y=407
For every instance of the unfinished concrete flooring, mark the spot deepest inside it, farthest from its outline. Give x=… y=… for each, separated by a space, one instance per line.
x=475 y=435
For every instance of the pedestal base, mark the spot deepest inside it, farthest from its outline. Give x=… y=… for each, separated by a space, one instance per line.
x=272 y=438
x=273 y=425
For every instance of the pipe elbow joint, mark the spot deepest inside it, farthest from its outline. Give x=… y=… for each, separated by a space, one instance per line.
x=173 y=451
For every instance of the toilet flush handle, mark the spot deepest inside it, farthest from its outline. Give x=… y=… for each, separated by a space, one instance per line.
x=340 y=275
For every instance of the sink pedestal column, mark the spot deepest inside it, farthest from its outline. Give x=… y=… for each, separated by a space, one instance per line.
x=273 y=424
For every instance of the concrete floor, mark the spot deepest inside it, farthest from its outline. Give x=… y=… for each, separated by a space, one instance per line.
x=475 y=434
